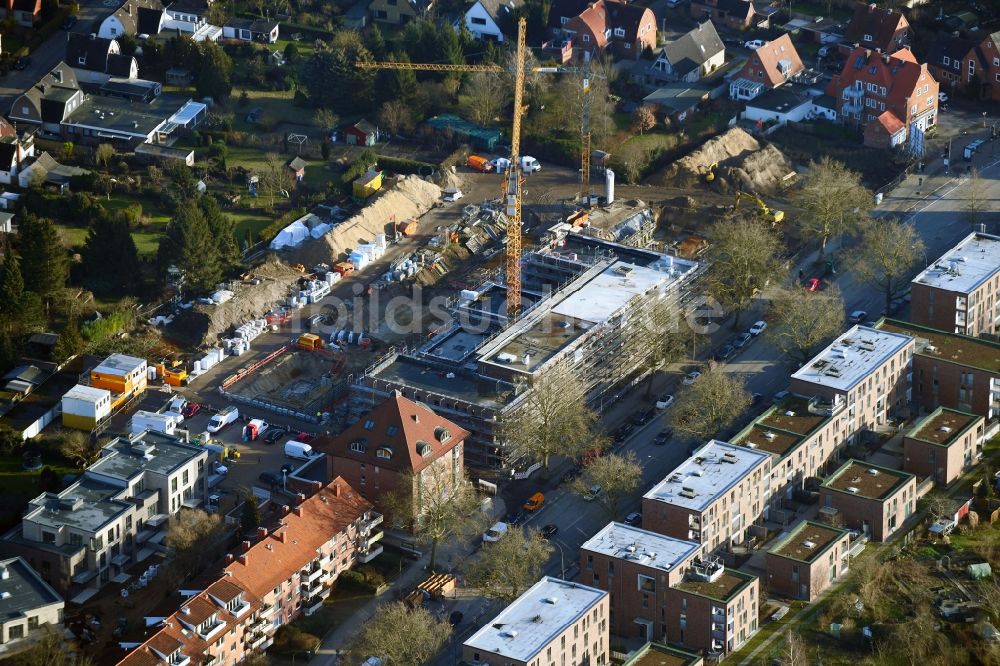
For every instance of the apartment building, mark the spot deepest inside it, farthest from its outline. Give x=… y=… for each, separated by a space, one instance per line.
x=805 y=562
x=553 y=622
x=82 y=537
x=867 y=370
x=944 y=445
x=711 y=498
x=728 y=597
x=398 y=442
x=951 y=370
x=887 y=95
x=960 y=292
x=768 y=67
x=874 y=27
x=28 y=606
x=286 y=571
x=874 y=500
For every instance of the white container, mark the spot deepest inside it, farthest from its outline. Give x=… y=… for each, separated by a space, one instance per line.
x=380 y=240
x=197 y=367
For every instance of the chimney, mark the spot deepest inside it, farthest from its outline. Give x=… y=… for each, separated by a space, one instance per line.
x=229 y=558
x=245 y=546
x=416 y=418
x=284 y=510
x=244 y=558
x=297 y=511
x=280 y=536
x=299 y=499
x=336 y=490
x=316 y=485
x=261 y=532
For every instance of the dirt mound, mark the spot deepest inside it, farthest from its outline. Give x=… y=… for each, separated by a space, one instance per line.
x=411 y=197
x=204 y=324
x=732 y=146
x=447 y=178
x=762 y=171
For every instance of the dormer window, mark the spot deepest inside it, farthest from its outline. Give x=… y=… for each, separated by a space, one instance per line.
x=423 y=449
x=869 y=38
x=619 y=32
x=391 y=431
x=441 y=434
x=384 y=452
x=359 y=446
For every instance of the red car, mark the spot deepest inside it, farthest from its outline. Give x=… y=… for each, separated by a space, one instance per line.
x=304 y=437
x=190 y=409
x=814 y=284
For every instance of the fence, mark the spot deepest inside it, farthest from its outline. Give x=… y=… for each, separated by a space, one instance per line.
x=520 y=476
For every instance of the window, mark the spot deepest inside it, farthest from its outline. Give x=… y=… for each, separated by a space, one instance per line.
x=391 y=431
x=586 y=37
x=869 y=38
x=33 y=622
x=475 y=20
x=628 y=45
x=945 y=61
x=173 y=485
x=359 y=446
x=48 y=537
x=646 y=583
x=996 y=62
x=185 y=477
x=619 y=32
x=75 y=539
x=384 y=452
x=25 y=110
x=972 y=68
x=17 y=631
x=369 y=424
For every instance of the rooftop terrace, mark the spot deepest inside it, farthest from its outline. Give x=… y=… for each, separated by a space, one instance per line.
x=852 y=357
x=124 y=457
x=807 y=541
x=654 y=654
x=723 y=588
x=943 y=427
x=865 y=480
x=964 y=267
x=960 y=349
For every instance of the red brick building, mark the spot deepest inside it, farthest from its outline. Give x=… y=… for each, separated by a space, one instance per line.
x=622 y=29
x=967 y=65
x=805 y=562
x=734 y=14
x=768 y=67
x=877 y=28
x=944 y=445
x=874 y=500
x=400 y=441
x=885 y=95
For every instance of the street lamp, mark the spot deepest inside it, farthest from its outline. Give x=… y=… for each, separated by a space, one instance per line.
x=984 y=120
x=307 y=653
x=562 y=559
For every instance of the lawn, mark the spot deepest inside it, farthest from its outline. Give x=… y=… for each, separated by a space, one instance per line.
x=654 y=141
x=276 y=105
x=15 y=479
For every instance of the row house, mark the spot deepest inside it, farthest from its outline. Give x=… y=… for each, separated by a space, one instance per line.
x=960 y=291
x=288 y=570
x=866 y=370
x=886 y=95
x=662 y=590
x=944 y=445
x=553 y=622
x=608 y=26
x=29 y=607
x=874 y=500
x=806 y=561
x=83 y=536
x=768 y=67
x=951 y=370
x=877 y=28
x=967 y=65
x=711 y=498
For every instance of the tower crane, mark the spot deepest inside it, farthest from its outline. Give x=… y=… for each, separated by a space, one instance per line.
x=513 y=180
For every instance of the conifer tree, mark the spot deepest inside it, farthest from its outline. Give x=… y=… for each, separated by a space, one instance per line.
x=44 y=261
x=110 y=257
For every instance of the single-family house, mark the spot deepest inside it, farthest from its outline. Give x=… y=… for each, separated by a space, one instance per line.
x=885 y=96
x=967 y=65
x=733 y=14
x=688 y=58
x=26 y=12
x=612 y=26
x=398 y=12
x=96 y=59
x=874 y=27
x=361 y=133
x=297 y=167
x=134 y=17
x=487 y=19
x=247 y=30
x=560 y=12
x=768 y=67
x=15 y=152
x=49 y=101
x=780 y=106
x=191 y=16
x=45 y=169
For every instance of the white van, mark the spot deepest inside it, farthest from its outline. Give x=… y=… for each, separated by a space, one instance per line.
x=222 y=419
x=299 y=450
x=529 y=164
x=493 y=534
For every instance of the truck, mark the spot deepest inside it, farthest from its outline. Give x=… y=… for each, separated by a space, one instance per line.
x=479 y=163
x=298 y=450
x=163 y=423
x=254 y=429
x=223 y=418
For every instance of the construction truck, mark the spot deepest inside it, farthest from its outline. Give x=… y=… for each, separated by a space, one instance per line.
x=774 y=217
x=710 y=176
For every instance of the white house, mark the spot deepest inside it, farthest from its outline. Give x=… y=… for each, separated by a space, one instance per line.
x=688 y=58
x=134 y=17
x=781 y=106
x=485 y=18
x=14 y=154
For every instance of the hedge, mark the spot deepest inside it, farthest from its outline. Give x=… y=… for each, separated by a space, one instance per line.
x=307 y=31
x=400 y=165
x=270 y=231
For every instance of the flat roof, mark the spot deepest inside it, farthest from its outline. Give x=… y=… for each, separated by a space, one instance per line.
x=852 y=357
x=88 y=393
x=96 y=506
x=723 y=588
x=188 y=112
x=807 y=541
x=781 y=428
x=707 y=475
x=641 y=546
x=425 y=377
x=535 y=618
x=119 y=364
x=125 y=457
x=858 y=476
x=22 y=589
x=124 y=117
x=950 y=347
x=964 y=267
x=779 y=100
x=655 y=654
x=943 y=426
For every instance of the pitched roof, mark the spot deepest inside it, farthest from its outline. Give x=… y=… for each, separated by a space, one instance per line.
x=363 y=126
x=899 y=73
x=55 y=83
x=148 y=21
x=120 y=65
x=950 y=47
x=135 y=21
x=296 y=163
x=625 y=16
x=690 y=51
x=497 y=8
x=890 y=122
x=877 y=22
x=400 y=429
x=7 y=128
x=596 y=20
x=567 y=9
x=288 y=548
x=778 y=59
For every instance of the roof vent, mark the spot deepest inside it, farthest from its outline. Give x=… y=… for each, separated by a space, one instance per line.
x=186 y=610
x=808 y=544
x=509 y=633
x=751 y=445
x=551 y=600
x=789 y=413
x=769 y=436
x=852 y=490
x=873 y=472
x=945 y=429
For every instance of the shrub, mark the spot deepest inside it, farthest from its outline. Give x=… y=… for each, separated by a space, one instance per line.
x=270 y=231
x=401 y=165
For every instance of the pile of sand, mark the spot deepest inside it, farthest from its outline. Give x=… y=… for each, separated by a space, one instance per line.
x=732 y=146
x=410 y=197
x=447 y=178
x=204 y=324
x=762 y=172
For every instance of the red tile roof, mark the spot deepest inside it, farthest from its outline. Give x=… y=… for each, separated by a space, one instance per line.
x=880 y=24
x=899 y=73
x=595 y=17
x=276 y=557
x=412 y=424
x=768 y=57
x=890 y=122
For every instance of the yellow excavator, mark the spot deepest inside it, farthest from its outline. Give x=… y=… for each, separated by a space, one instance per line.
x=710 y=176
x=774 y=217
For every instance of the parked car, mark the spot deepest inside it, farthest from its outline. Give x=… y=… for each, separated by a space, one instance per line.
x=22 y=63
x=452 y=194
x=190 y=409
x=633 y=518
x=665 y=402
x=515 y=517
x=753 y=44
x=725 y=353
x=663 y=436
x=271 y=478
x=592 y=493
x=623 y=433
x=493 y=534
x=550 y=531
x=743 y=340
x=758 y=328
x=691 y=378
x=755 y=399
x=779 y=396
x=304 y=437
x=274 y=434
x=642 y=417
x=534 y=502
x=455 y=618
x=857 y=316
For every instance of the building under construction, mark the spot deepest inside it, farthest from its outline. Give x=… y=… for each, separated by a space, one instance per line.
x=578 y=292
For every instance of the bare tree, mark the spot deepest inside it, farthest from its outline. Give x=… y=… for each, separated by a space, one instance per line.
x=49 y=648
x=326 y=119
x=553 y=419
x=658 y=335
x=509 y=566
x=103 y=154
x=396 y=117
x=400 y=636
x=274 y=177
x=803 y=321
x=709 y=405
x=484 y=92
x=75 y=445
x=192 y=534
x=889 y=252
x=643 y=119
x=795 y=652
x=616 y=477
x=743 y=259
x=435 y=508
x=833 y=202
x=976 y=200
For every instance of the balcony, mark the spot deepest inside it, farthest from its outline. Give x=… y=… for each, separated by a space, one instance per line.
x=367 y=557
x=960 y=319
x=853 y=93
x=375 y=519
x=310 y=606
x=852 y=109
x=307 y=576
x=960 y=304
x=267 y=611
x=311 y=589
x=366 y=542
x=84 y=576
x=260 y=624
x=257 y=640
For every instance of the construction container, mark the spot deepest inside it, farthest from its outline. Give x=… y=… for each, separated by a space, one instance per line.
x=407 y=227
x=310 y=341
x=345 y=268
x=163 y=423
x=123 y=375
x=368 y=184
x=83 y=407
